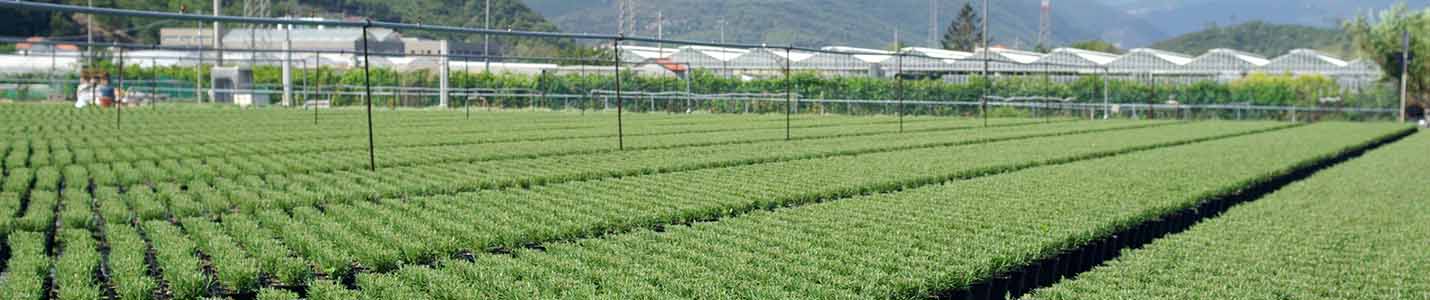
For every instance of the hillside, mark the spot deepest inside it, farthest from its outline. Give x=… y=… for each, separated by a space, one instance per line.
x=860 y=23
x=506 y=14
x=1183 y=16
x=1261 y=38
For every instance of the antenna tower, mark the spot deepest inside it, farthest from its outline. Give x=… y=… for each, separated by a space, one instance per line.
x=933 y=24
x=1045 y=27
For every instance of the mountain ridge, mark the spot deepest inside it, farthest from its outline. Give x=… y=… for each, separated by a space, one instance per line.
x=1261 y=38
x=858 y=23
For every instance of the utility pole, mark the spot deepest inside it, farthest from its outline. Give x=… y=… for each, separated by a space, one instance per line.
x=218 y=33
x=1404 y=70
x=89 y=33
x=287 y=65
x=487 y=38
x=199 y=63
x=660 y=31
x=722 y=30
x=1045 y=24
x=1106 y=103
x=933 y=24
x=987 y=81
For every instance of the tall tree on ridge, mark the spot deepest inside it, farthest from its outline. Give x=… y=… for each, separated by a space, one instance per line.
x=963 y=34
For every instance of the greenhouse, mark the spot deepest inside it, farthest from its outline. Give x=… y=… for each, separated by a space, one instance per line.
x=925 y=60
x=698 y=58
x=832 y=64
x=1076 y=61
x=1306 y=61
x=1149 y=61
x=759 y=62
x=1224 y=65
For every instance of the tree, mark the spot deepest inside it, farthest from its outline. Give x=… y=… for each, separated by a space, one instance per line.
x=1096 y=45
x=964 y=33
x=1379 y=39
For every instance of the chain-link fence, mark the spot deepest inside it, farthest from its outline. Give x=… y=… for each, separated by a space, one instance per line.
x=315 y=64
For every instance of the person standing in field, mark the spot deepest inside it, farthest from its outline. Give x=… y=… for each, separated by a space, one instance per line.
x=106 y=92
x=84 y=93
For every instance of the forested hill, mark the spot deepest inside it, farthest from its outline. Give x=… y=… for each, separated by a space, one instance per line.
x=860 y=23
x=505 y=14
x=1262 y=38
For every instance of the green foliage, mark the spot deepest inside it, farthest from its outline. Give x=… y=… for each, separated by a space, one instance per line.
x=1380 y=40
x=248 y=200
x=889 y=245
x=964 y=33
x=506 y=14
x=818 y=23
x=1259 y=89
x=1283 y=90
x=1096 y=45
x=73 y=269
x=126 y=258
x=1258 y=37
x=1349 y=231
x=26 y=267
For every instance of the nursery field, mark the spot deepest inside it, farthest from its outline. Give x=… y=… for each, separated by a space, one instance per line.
x=198 y=202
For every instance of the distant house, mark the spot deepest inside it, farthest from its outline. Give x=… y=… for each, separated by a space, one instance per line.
x=36 y=46
x=345 y=40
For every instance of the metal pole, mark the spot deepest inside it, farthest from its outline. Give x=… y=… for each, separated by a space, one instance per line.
x=487 y=38
x=987 y=81
x=51 y=75
x=1106 y=103
x=89 y=36
x=318 y=66
x=154 y=85
x=899 y=80
x=466 y=80
x=306 y=87
x=689 y=76
x=287 y=65
x=1404 y=70
x=789 y=93
x=541 y=81
x=620 y=122
x=218 y=33
x=445 y=96
x=722 y=30
x=199 y=69
x=367 y=94
x=119 y=107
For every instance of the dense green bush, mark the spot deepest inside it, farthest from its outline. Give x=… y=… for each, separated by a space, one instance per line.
x=1257 y=88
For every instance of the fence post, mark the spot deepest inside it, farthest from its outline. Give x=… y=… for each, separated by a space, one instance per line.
x=789 y=95
x=118 y=107
x=543 y=83
x=287 y=66
x=318 y=67
x=367 y=95
x=199 y=73
x=899 y=92
x=620 y=104
x=154 y=85
x=1106 y=102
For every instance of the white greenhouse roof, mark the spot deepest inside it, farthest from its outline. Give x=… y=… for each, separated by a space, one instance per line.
x=1022 y=57
x=872 y=56
x=1169 y=56
x=648 y=52
x=1099 y=58
x=1319 y=56
x=937 y=53
x=1243 y=56
x=723 y=54
x=794 y=56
